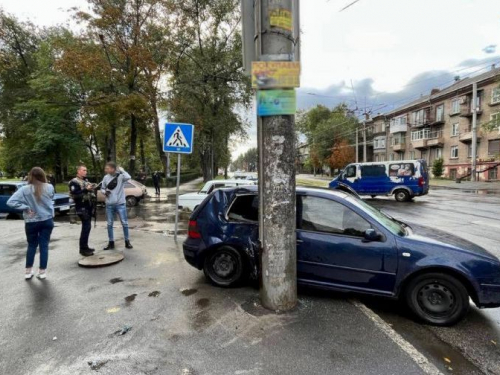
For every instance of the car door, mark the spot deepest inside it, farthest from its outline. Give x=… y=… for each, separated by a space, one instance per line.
x=350 y=177
x=6 y=191
x=332 y=251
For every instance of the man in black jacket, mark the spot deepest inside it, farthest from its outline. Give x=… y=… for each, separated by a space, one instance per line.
x=83 y=194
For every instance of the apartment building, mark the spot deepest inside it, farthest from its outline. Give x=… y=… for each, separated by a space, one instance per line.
x=439 y=125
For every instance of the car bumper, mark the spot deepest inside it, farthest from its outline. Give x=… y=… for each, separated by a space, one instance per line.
x=191 y=250
x=488 y=296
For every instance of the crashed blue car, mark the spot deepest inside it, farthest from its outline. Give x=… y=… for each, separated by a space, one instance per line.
x=344 y=244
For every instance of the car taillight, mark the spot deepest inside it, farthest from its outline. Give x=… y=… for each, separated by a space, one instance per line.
x=421 y=182
x=193 y=230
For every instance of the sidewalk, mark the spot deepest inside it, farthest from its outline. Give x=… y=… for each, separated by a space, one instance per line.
x=466 y=185
x=179 y=324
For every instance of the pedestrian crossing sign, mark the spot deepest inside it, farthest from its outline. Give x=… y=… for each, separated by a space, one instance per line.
x=178 y=138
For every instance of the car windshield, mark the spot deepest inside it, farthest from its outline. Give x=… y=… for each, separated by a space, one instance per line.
x=388 y=222
x=206 y=188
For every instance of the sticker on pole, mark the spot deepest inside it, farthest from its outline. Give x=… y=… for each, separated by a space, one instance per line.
x=178 y=138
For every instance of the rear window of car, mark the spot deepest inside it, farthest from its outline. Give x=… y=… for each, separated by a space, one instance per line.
x=245 y=208
x=7 y=190
x=373 y=170
x=128 y=185
x=401 y=169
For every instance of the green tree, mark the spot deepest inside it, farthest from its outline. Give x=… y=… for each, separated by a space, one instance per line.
x=208 y=86
x=437 y=167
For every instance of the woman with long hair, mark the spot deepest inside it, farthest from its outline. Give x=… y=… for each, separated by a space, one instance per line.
x=35 y=200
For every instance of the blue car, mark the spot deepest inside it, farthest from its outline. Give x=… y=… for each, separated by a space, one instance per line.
x=62 y=202
x=345 y=244
x=405 y=179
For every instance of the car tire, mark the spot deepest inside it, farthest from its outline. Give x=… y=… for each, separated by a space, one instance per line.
x=437 y=299
x=224 y=267
x=132 y=201
x=402 y=195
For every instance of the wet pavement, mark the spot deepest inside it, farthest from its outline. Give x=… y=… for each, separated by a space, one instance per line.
x=472 y=346
x=170 y=321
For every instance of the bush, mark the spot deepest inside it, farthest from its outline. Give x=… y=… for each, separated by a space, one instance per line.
x=437 y=168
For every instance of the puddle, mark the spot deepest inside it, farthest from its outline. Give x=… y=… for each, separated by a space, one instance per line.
x=116 y=280
x=203 y=302
x=130 y=299
x=154 y=294
x=188 y=291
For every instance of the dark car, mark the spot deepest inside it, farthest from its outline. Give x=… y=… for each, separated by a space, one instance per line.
x=62 y=202
x=345 y=244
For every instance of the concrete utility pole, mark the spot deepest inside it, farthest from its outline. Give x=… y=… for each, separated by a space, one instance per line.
x=357 y=145
x=364 y=141
x=277 y=174
x=474 y=131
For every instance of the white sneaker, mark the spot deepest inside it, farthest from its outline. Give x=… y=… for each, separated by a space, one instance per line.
x=42 y=276
x=28 y=276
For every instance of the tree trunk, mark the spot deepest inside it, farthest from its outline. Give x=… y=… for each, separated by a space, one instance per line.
x=143 y=155
x=159 y=141
x=133 y=144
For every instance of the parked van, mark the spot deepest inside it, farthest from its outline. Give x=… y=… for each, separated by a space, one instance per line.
x=405 y=179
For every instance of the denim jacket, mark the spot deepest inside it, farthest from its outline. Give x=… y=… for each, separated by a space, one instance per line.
x=24 y=199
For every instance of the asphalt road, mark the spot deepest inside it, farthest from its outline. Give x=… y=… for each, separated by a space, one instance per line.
x=472 y=346
x=182 y=325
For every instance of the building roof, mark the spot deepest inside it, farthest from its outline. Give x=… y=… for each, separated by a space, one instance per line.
x=455 y=87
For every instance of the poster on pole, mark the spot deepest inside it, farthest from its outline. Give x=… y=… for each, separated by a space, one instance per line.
x=178 y=138
x=281 y=18
x=275 y=74
x=276 y=102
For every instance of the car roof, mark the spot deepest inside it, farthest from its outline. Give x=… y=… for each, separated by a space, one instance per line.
x=390 y=162
x=300 y=190
x=13 y=183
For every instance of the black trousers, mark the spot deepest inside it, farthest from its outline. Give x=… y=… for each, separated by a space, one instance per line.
x=157 y=189
x=85 y=233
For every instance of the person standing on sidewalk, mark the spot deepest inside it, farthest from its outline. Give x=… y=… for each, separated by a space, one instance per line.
x=35 y=200
x=113 y=187
x=84 y=196
x=156 y=182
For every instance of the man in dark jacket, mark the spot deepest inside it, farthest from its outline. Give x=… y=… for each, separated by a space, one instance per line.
x=156 y=182
x=83 y=194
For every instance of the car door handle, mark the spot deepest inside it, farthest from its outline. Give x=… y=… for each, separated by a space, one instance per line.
x=300 y=241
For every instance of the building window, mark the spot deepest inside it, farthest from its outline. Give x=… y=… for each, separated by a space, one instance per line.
x=453 y=174
x=469 y=151
x=493 y=174
x=438 y=153
x=412 y=155
x=455 y=129
x=401 y=156
x=420 y=134
x=419 y=117
x=455 y=106
x=494 y=147
x=454 y=152
x=379 y=143
x=391 y=157
x=440 y=112
x=495 y=95
x=495 y=119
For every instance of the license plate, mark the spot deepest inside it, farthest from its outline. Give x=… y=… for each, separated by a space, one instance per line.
x=64 y=208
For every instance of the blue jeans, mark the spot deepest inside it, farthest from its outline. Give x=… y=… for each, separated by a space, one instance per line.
x=121 y=210
x=38 y=234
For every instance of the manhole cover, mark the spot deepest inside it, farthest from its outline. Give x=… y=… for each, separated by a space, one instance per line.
x=101 y=259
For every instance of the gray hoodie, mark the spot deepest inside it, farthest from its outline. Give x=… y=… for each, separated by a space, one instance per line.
x=117 y=195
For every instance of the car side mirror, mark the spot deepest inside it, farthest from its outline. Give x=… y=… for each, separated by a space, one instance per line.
x=371 y=235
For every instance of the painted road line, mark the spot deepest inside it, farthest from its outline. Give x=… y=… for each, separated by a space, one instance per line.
x=408 y=348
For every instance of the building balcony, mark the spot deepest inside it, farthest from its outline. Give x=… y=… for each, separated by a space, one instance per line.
x=467 y=111
x=400 y=128
x=419 y=143
x=467 y=136
x=435 y=139
x=399 y=147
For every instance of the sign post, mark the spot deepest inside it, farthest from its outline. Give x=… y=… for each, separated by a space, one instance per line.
x=178 y=139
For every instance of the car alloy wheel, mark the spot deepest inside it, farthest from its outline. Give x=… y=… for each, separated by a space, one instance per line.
x=131 y=201
x=224 y=267
x=438 y=299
